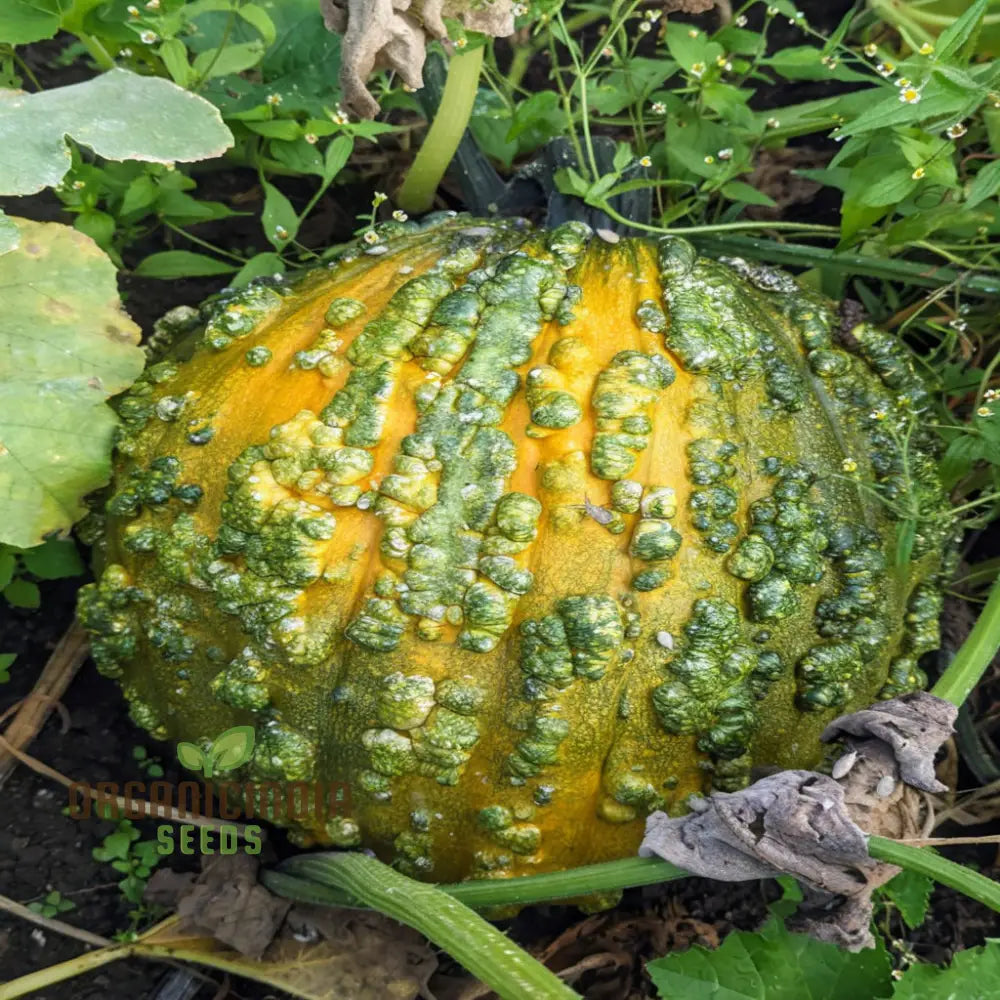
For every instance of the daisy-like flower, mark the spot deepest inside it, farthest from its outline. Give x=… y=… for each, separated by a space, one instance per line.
x=607 y=52
x=725 y=154
x=877 y=414
x=773 y=123
x=645 y=161
x=741 y=21
x=903 y=82
x=147 y=37
x=653 y=15
x=871 y=50
x=849 y=465
x=125 y=53
x=340 y=116
x=273 y=99
x=909 y=95
x=958 y=324
x=132 y=10
x=658 y=108
x=645 y=26
x=371 y=237
x=991 y=395
x=378 y=197
x=152 y=4
x=281 y=232
x=885 y=68
x=460 y=43
x=721 y=60
x=697 y=69
x=956 y=131
x=926 y=49
x=399 y=215
x=984 y=411
x=79 y=185
x=772 y=12
x=520 y=9
x=311 y=137
x=710 y=159
x=917 y=174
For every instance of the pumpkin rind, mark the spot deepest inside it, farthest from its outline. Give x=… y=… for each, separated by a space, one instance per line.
x=521 y=534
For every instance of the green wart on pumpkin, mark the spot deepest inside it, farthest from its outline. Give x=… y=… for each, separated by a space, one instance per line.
x=361 y=518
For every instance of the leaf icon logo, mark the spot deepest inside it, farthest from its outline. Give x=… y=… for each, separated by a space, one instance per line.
x=228 y=751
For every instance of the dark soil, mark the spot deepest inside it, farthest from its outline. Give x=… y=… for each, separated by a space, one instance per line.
x=41 y=849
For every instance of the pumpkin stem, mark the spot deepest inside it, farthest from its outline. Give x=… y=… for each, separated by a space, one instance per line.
x=418 y=190
x=976 y=654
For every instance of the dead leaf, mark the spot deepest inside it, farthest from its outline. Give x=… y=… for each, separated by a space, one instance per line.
x=392 y=34
x=319 y=954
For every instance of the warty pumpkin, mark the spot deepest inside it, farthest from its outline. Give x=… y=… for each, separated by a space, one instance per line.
x=521 y=534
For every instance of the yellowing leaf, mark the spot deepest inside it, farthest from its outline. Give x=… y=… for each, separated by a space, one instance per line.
x=358 y=954
x=65 y=347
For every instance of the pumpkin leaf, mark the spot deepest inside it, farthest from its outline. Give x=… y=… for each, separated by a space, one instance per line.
x=9 y=236
x=26 y=21
x=972 y=975
x=911 y=893
x=190 y=756
x=119 y=115
x=65 y=347
x=232 y=748
x=773 y=964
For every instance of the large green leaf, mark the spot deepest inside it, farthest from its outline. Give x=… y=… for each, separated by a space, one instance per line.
x=974 y=974
x=65 y=347
x=773 y=964
x=120 y=115
x=24 y=21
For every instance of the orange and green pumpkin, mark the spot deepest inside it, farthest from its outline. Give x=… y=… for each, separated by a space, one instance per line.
x=522 y=534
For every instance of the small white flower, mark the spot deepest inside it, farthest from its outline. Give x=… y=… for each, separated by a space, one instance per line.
x=125 y=53
x=772 y=11
x=399 y=215
x=152 y=4
x=984 y=411
x=725 y=154
x=79 y=185
x=311 y=137
x=658 y=108
x=645 y=161
x=645 y=26
x=378 y=197
x=885 y=68
x=710 y=159
x=460 y=43
x=991 y=395
x=958 y=324
x=917 y=174
x=773 y=123
x=909 y=95
x=340 y=116
x=956 y=131
x=370 y=237
x=741 y=21
x=697 y=69
x=273 y=99
x=520 y=9
x=132 y=10
x=877 y=414
x=653 y=15
x=926 y=49
x=903 y=82
x=281 y=232
x=871 y=50
x=147 y=37
x=607 y=52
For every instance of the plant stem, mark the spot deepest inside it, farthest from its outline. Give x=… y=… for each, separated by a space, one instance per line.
x=521 y=891
x=926 y=862
x=64 y=970
x=460 y=87
x=487 y=953
x=976 y=654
